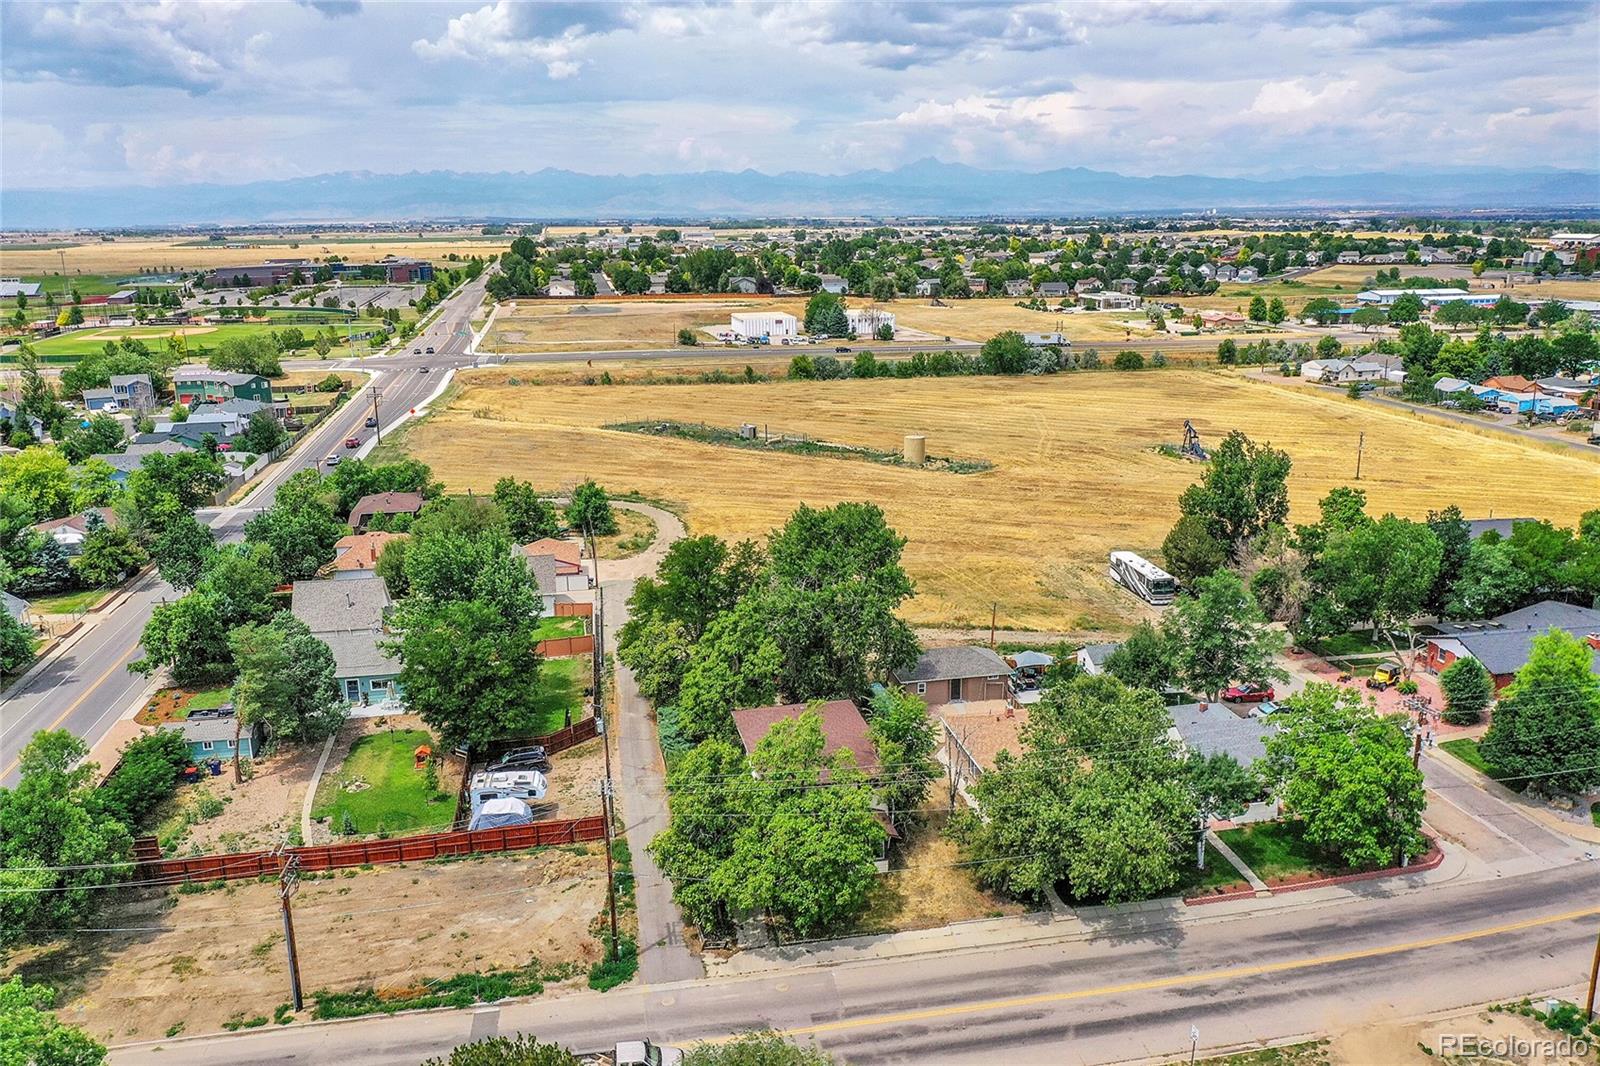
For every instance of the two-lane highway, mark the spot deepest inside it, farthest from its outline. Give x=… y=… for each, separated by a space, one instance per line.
x=85 y=688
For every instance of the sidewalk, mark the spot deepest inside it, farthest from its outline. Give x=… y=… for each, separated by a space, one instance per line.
x=1083 y=923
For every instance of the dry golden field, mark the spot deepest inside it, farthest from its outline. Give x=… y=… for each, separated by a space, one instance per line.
x=1075 y=472
x=127 y=255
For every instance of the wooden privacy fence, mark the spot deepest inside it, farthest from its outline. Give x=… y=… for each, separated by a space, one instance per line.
x=562 y=739
x=574 y=609
x=421 y=848
x=556 y=647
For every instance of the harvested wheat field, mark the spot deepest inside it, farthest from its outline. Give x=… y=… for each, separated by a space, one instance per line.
x=1075 y=471
x=128 y=255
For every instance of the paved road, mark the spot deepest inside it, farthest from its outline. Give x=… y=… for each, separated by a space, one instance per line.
x=88 y=686
x=1117 y=988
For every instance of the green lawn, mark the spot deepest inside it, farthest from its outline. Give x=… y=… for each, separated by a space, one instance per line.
x=1218 y=873
x=1359 y=642
x=69 y=602
x=551 y=628
x=87 y=285
x=1466 y=749
x=561 y=684
x=210 y=699
x=397 y=797
x=1275 y=850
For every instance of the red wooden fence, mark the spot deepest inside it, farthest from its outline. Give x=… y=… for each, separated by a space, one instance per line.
x=571 y=609
x=556 y=647
x=364 y=852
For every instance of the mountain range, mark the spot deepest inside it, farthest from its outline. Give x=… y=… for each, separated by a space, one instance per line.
x=924 y=188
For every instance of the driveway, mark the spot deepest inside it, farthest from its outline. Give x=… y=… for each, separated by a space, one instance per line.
x=663 y=955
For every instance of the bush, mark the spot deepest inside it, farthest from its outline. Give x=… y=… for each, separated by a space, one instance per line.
x=1467 y=689
x=146 y=776
x=519 y=1050
x=1128 y=361
x=1407 y=687
x=802 y=368
x=687 y=338
x=331 y=383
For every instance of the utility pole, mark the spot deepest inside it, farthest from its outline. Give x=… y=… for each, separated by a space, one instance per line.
x=1594 y=973
x=1361 y=446
x=288 y=882
x=611 y=877
x=1416 y=748
x=994 y=611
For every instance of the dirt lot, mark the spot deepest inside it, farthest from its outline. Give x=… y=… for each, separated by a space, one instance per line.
x=134 y=255
x=924 y=889
x=198 y=960
x=575 y=776
x=1379 y=1042
x=258 y=813
x=1075 y=471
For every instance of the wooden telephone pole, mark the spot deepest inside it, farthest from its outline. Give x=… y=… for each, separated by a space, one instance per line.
x=1594 y=974
x=288 y=882
x=611 y=876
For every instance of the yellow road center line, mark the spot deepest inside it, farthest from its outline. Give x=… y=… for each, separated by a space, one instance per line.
x=1185 y=979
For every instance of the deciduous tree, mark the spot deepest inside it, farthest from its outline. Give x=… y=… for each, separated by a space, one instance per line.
x=1545 y=732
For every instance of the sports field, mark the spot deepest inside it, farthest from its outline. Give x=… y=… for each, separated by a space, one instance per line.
x=79 y=343
x=1075 y=471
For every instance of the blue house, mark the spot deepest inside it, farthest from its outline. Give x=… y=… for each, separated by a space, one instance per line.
x=347 y=615
x=209 y=734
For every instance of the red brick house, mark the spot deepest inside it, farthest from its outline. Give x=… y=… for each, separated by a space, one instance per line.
x=1502 y=644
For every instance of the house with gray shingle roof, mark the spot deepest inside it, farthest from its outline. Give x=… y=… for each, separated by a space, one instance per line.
x=1502 y=644
x=348 y=616
x=950 y=675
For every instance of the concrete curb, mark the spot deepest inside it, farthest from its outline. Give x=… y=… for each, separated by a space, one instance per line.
x=1578 y=831
x=415 y=412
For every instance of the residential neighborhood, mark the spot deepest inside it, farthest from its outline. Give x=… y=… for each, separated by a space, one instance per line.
x=712 y=534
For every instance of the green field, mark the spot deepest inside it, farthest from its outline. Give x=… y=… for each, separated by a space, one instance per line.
x=395 y=797
x=201 y=339
x=87 y=285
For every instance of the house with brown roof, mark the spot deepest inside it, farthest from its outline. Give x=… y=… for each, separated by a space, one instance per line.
x=357 y=555
x=843 y=728
x=386 y=503
x=975 y=733
x=70 y=532
x=571 y=573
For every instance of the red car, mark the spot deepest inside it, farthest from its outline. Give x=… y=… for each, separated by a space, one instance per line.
x=352 y=442
x=1248 y=693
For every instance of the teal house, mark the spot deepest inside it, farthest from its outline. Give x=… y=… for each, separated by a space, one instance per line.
x=192 y=386
x=210 y=735
x=347 y=614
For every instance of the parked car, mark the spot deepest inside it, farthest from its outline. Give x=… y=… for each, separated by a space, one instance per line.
x=1385 y=675
x=1267 y=708
x=352 y=442
x=536 y=753
x=332 y=460
x=841 y=348
x=1248 y=693
x=645 y=1053
x=372 y=421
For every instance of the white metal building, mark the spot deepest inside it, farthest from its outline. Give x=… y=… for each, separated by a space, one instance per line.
x=770 y=325
x=865 y=321
x=1385 y=297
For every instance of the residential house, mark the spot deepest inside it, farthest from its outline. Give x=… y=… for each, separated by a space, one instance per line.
x=17 y=608
x=977 y=283
x=974 y=736
x=658 y=284
x=69 y=532
x=1125 y=285
x=133 y=392
x=1092 y=657
x=1349 y=257
x=100 y=399
x=1247 y=274
x=1019 y=287
x=356 y=556
x=1215 y=319
x=927 y=287
x=543 y=568
x=193 y=386
x=833 y=283
x=1502 y=644
x=1226 y=272
x=843 y=729
x=348 y=616
x=561 y=287
x=204 y=419
x=950 y=675
x=209 y=734
x=742 y=284
x=1341 y=371
x=1501 y=527
x=1055 y=290
x=385 y=503
x=1212 y=729
x=571 y=572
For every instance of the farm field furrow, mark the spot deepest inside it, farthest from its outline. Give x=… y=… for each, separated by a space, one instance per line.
x=1075 y=472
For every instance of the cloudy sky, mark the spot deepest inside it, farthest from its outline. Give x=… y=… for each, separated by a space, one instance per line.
x=228 y=90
